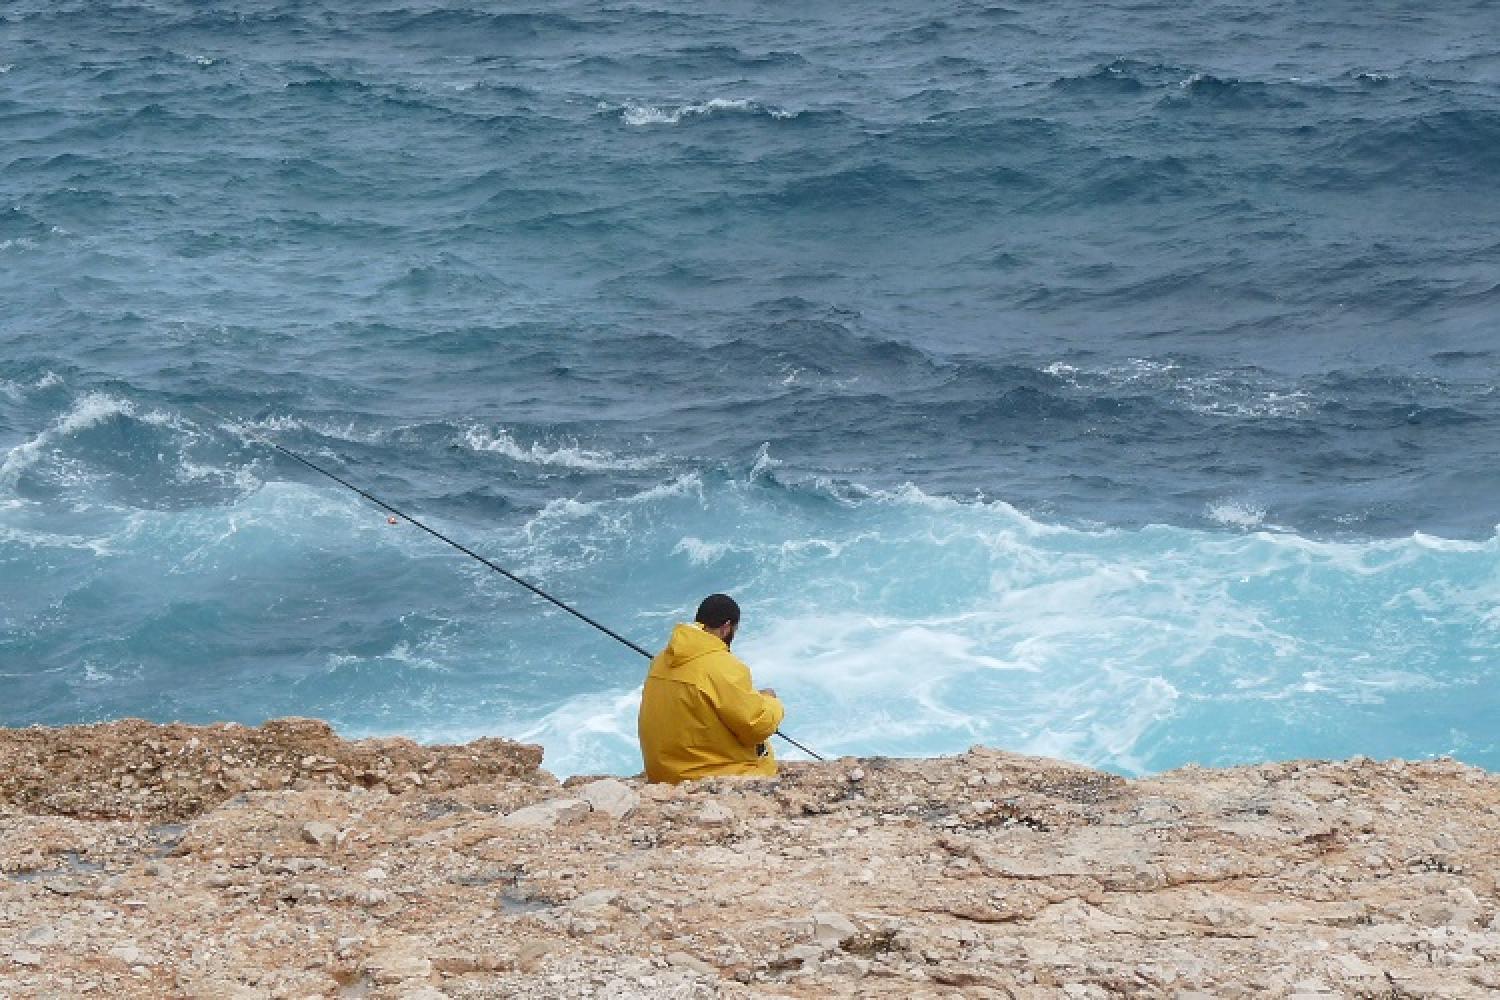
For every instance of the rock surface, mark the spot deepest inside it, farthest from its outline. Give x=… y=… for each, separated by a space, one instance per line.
x=222 y=861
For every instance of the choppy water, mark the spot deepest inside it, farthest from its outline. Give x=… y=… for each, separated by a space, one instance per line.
x=1101 y=379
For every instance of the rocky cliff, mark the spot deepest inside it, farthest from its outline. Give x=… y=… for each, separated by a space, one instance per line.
x=225 y=862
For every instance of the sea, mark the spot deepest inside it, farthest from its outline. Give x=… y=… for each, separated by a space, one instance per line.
x=1112 y=380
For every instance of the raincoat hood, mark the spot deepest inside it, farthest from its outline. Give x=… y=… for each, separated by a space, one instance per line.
x=687 y=643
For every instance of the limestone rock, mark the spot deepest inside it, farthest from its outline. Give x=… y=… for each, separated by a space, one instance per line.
x=40 y=936
x=545 y=815
x=683 y=960
x=596 y=900
x=829 y=928
x=713 y=814
x=611 y=797
x=321 y=834
x=129 y=954
x=987 y=874
x=397 y=963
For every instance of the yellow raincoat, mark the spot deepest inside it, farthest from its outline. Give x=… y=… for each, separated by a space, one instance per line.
x=700 y=715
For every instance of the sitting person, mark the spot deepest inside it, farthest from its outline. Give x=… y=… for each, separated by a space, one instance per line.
x=701 y=717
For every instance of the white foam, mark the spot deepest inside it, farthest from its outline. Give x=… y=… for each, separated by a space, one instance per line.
x=566 y=510
x=1240 y=395
x=567 y=456
x=94 y=674
x=1236 y=514
x=635 y=113
x=1436 y=544
x=241 y=478
x=701 y=552
x=100 y=547
x=764 y=463
x=590 y=733
x=1211 y=397
x=270 y=425
x=92 y=409
x=402 y=653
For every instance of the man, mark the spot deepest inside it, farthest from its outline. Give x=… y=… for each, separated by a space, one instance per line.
x=700 y=715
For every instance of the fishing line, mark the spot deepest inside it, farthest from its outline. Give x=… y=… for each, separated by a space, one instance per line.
x=462 y=548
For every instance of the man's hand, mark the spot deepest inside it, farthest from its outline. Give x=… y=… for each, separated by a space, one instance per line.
x=768 y=692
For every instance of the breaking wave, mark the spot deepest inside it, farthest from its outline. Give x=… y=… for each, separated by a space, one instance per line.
x=635 y=113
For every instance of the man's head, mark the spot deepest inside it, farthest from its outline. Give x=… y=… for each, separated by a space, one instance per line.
x=719 y=614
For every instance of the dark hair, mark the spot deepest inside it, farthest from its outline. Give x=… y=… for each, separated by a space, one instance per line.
x=717 y=609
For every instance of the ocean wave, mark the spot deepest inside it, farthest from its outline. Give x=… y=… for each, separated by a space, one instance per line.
x=480 y=26
x=89 y=411
x=970 y=621
x=17 y=223
x=1227 y=93
x=1427 y=148
x=568 y=456
x=1120 y=76
x=635 y=113
x=892 y=620
x=100 y=548
x=845 y=189
x=1236 y=514
x=329 y=83
x=1246 y=393
x=349 y=431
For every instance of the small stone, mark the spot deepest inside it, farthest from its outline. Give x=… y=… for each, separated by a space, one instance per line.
x=612 y=797
x=856 y=968
x=829 y=928
x=596 y=900
x=714 y=814
x=320 y=833
x=803 y=953
x=40 y=936
x=395 y=964
x=30 y=959
x=545 y=815
x=129 y=954
x=682 y=960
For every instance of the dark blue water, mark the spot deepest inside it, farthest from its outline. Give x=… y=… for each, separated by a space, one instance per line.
x=1108 y=380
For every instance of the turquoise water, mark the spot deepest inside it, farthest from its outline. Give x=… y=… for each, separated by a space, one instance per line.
x=1106 y=381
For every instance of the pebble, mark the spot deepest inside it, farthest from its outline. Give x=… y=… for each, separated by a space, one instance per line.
x=40 y=936
x=129 y=954
x=713 y=814
x=609 y=796
x=320 y=833
x=545 y=815
x=683 y=960
x=598 y=899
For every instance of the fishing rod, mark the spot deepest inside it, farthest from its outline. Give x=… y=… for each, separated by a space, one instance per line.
x=462 y=548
